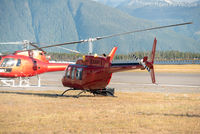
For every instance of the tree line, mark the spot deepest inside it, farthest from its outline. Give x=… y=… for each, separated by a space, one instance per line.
x=160 y=55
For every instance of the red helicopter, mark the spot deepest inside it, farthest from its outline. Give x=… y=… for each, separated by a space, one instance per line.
x=93 y=73
x=26 y=63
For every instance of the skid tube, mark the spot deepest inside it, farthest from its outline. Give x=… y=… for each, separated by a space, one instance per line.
x=103 y=92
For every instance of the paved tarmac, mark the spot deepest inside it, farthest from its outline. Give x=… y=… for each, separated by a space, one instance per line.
x=127 y=82
x=166 y=82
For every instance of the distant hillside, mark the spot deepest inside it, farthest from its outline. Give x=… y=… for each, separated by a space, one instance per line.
x=162 y=11
x=58 y=21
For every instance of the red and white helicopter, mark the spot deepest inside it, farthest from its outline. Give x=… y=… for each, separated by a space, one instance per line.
x=24 y=64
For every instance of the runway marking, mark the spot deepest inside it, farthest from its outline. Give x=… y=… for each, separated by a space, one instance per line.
x=167 y=85
x=172 y=85
x=119 y=83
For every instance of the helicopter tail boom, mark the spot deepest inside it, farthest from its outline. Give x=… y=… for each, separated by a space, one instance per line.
x=140 y=64
x=51 y=67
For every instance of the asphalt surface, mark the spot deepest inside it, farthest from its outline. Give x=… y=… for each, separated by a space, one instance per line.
x=126 y=82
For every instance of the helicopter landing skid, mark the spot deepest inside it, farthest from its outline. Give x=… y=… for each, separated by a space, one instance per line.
x=7 y=82
x=103 y=92
x=19 y=82
x=78 y=95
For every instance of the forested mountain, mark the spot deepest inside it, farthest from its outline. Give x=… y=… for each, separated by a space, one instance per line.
x=167 y=12
x=58 y=21
x=164 y=12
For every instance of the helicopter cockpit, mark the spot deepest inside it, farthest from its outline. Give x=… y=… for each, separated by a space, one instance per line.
x=10 y=62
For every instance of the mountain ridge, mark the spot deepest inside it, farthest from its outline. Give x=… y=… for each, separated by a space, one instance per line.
x=170 y=11
x=53 y=22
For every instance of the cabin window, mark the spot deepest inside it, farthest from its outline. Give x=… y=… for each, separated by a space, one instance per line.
x=73 y=70
x=68 y=72
x=8 y=62
x=34 y=65
x=18 y=62
x=79 y=73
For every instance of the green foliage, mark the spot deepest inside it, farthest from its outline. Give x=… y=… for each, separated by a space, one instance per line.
x=160 y=55
x=64 y=56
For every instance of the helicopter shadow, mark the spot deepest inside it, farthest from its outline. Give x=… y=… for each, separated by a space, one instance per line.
x=45 y=94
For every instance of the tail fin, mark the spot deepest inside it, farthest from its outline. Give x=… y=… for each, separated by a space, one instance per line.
x=112 y=53
x=153 y=51
x=149 y=64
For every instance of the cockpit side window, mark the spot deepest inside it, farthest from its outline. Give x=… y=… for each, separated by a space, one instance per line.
x=68 y=72
x=73 y=70
x=0 y=58
x=79 y=73
x=8 y=62
x=18 y=62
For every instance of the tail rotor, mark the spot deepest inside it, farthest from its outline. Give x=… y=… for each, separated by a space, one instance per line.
x=148 y=65
x=152 y=61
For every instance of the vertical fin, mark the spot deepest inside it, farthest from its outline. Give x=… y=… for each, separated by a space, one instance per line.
x=112 y=53
x=153 y=51
x=149 y=64
x=152 y=61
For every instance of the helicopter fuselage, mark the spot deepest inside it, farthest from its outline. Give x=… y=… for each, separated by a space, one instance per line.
x=93 y=73
x=21 y=65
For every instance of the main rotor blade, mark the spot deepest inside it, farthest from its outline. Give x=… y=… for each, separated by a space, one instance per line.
x=114 y=35
x=74 y=51
x=136 y=31
x=67 y=43
x=12 y=43
x=32 y=44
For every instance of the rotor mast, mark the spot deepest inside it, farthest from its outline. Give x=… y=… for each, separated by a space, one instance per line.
x=90 y=40
x=26 y=44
